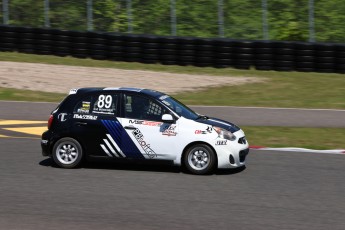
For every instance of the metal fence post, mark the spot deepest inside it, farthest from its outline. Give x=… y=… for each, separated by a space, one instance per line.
x=264 y=20
x=173 y=17
x=129 y=16
x=89 y=16
x=221 y=18
x=46 y=14
x=311 y=21
x=5 y=11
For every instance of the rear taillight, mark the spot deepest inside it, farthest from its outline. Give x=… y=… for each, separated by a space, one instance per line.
x=50 y=121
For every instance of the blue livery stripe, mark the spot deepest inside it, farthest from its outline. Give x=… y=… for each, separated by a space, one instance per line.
x=122 y=139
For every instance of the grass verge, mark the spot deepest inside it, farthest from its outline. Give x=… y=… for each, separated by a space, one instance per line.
x=312 y=138
x=280 y=89
x=9 y=94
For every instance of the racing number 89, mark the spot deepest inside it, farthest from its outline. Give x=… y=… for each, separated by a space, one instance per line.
x=104 y=101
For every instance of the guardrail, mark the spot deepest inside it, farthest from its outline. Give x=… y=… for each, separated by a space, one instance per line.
x=218 y=53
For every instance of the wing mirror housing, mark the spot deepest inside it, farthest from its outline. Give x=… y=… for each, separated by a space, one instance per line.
x=168 y=118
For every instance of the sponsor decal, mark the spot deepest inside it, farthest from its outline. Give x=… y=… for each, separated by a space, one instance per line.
x=73 y=91
x=85 y=117
x=145 y=146
x=221 y=142
x=170 y=130
x=85 y=108
x=149 y=123
x=62 y=117
x=200 y=132
x=163 y=97
x=208 y=130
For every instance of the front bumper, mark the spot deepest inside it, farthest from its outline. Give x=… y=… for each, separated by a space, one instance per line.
x=234 y=154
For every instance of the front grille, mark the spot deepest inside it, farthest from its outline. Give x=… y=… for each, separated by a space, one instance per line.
x=243 y=154
x=242 y=140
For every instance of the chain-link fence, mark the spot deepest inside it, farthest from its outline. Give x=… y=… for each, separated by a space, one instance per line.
x=308 y=20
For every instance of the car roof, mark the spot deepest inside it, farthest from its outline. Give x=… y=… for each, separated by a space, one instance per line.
x=150 y=92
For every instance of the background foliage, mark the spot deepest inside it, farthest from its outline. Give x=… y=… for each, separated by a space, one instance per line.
x=287 y=19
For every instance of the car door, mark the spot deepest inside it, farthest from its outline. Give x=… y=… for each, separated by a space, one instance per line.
x=142 y=121
x=91 y=117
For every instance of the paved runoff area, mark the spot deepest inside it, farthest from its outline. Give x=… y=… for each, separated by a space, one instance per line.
x=22 y=128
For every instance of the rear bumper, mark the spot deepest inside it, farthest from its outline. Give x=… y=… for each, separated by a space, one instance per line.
x=45 y=144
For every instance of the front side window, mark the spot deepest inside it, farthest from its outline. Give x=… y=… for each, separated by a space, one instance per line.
x=142 y=108
x=178 y=107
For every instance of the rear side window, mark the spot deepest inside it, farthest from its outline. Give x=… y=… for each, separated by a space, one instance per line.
x=83 y=106
x=105 y=104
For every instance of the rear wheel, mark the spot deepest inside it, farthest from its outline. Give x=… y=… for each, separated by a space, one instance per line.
x=67 y=153
x=200 y=159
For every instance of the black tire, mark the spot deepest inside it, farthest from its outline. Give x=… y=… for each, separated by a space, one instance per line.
x=167 y=51
x=225 y=49
x=187 y=52
x=263 y=56
x=305 y=65
x=150 y=51
x=285 y=57
x=150 y=45
x=288 y=64
x=283 y=68
x=223 y=55
x=305 y=58
x=226 y=62
x=74 y=153
x=305 y=52
x=285 y=51
x=199 y=159
x=186 y=58
x=325 y=53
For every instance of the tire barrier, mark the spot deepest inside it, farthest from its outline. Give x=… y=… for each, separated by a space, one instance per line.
x=184 y=51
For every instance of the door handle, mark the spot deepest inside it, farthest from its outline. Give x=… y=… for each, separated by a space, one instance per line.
x=130 y=127
x=81 y=123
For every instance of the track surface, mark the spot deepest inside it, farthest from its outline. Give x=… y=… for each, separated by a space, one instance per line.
x=277 y=190
x=240 y=116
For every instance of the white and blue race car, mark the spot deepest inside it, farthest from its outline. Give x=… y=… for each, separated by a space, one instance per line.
x=141 y=124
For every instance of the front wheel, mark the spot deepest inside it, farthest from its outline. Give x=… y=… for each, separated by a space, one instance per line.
x=67 y=153
x=200 y=159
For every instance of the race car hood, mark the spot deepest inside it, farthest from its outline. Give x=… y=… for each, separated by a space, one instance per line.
x=219 y=123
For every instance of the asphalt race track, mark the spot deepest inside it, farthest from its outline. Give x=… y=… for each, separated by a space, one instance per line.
x=277 y=190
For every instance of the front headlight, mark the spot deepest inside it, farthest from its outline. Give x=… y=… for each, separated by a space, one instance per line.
x=225 y=134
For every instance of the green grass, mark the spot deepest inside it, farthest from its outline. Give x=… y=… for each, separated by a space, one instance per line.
x=313 y=138
x=289 y=90
x=28 y=95
x=279 y=89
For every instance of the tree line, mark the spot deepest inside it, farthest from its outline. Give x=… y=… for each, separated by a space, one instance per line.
x=242 y=19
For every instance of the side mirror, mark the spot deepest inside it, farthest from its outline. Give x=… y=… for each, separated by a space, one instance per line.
x=168 y=118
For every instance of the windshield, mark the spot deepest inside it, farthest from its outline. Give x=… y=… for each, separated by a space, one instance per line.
x=178 y=107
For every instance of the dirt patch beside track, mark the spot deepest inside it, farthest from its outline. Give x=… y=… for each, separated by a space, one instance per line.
x=60 y=78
